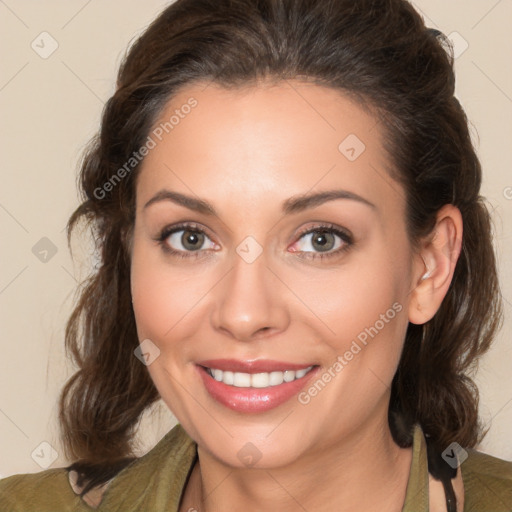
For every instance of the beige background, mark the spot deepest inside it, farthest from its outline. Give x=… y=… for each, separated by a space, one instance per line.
x=50 y=107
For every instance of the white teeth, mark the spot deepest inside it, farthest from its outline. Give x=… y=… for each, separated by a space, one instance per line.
x=242 y=380
x=227 y=377
x=300 y=373
x=289 y=375
x=276 y=378
x=256 y=380
x=260 y=380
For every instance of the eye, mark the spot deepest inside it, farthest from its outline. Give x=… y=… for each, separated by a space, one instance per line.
x=189 y=240
x=323 y=241
x=185 y=239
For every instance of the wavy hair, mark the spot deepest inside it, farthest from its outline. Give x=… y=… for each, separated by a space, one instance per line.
x=380 y=53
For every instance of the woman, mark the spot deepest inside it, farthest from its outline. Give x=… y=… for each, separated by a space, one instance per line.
x=295 y=257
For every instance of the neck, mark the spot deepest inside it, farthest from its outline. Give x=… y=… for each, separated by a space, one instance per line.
x=366 y=471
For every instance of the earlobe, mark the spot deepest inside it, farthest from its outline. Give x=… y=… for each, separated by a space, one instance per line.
x=434 y=270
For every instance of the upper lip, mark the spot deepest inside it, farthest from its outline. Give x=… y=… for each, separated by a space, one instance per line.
x=254 y=366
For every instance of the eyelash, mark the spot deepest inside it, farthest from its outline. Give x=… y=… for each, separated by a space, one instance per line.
x=329 y=228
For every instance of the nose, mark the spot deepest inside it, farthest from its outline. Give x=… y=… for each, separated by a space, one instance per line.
x=250 y=301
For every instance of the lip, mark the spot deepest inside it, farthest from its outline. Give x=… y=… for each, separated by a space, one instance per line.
x=252 y=400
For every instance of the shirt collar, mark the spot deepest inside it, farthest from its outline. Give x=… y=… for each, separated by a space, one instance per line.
x=416 y=496
x=184 y=452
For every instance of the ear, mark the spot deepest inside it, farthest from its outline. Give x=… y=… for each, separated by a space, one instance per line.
x=435 y=265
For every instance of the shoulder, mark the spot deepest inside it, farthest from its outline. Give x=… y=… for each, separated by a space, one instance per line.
x=44 y=491
x=487 y=483
x=155 y=478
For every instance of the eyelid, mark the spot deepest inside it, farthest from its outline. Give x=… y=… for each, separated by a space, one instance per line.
x=167 y=231
x=184 y=226
x=326 y=226
x=345 y=235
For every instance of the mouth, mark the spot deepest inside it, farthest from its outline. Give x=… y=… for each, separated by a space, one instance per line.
x=253 y=386
x=256 y=380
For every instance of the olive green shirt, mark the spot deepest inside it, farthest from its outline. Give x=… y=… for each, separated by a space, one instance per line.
x=155 y=482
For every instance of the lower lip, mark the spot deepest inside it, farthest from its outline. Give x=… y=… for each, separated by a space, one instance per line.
x=253 y=399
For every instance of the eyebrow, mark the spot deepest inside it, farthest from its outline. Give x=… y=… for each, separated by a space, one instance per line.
x=291 y=205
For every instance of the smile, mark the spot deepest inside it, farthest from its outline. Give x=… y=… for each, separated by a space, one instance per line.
x=253 y=386
x=257 y=380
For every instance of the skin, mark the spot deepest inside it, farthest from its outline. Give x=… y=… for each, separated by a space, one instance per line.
x=246 y=151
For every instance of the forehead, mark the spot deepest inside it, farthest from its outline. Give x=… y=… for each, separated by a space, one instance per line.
x=265 y=142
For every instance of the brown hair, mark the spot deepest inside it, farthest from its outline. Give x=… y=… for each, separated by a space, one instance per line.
x=377 y=51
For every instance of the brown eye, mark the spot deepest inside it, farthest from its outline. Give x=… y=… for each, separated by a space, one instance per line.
x=183 y=240
x=323 y=241
x=186 y=240
x=192 y=240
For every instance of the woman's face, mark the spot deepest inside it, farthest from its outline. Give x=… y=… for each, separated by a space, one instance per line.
x=294 y=255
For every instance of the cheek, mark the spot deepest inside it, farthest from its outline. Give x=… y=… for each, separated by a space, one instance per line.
x=163 y=301
x=369 y=322
x=365 y=309
x=354 y=298
x=152 y=297
x=166 y=299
